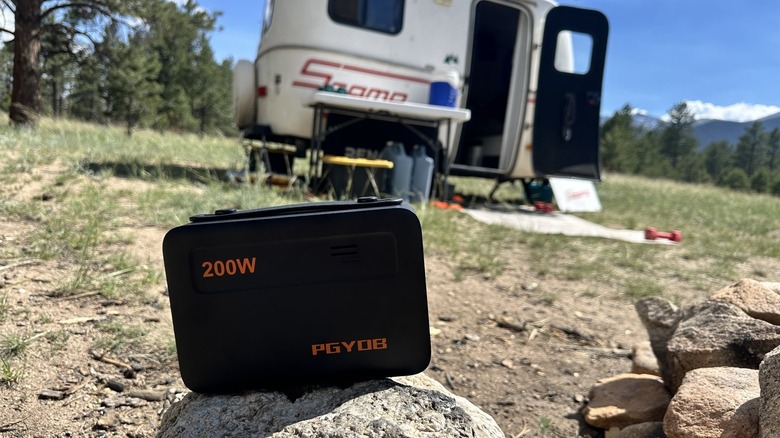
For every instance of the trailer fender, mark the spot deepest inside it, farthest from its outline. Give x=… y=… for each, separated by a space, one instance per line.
x=244 y=94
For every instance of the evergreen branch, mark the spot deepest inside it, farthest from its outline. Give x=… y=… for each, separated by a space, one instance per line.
x=71 y=31
x=99 y=7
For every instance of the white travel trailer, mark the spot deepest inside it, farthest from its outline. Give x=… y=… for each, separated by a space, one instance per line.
x=533 y=93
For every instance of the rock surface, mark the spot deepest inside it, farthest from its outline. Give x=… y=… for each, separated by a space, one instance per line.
x=715 y=403
x=643 y=360
x=414 y=406
x=660 y=318
x=626 y=399
x=769 y=380
x=754 y=298
x=718 y=334
x=653 y=429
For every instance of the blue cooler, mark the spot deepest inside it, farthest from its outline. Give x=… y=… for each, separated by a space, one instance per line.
x=444 y=89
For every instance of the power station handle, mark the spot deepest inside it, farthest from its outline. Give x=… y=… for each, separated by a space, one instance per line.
x=569 y=115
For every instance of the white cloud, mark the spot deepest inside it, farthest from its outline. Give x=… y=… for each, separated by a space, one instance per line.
x=738 y=112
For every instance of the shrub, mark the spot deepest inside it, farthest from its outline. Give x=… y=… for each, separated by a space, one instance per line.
x=736 y=179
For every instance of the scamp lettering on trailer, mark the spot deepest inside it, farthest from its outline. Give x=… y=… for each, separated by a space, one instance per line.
x=530 y=75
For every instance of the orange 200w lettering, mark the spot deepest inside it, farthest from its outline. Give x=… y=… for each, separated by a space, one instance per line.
x=230 y=267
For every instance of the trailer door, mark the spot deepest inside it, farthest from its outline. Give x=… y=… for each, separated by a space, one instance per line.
x=568 y=96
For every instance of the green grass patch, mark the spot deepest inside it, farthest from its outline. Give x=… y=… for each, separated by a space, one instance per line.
x=119 y=337
x=107 y=182
x=9 y=374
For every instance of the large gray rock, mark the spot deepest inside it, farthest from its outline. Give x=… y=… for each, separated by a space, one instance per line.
x=718 y=334
x=414 y=406
x=769 y=379
x=626 y=399
x=660 y=318
x=715 y=403
x=754 y=298
x=643 y=430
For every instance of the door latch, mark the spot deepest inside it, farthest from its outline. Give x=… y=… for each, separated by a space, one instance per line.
x=569 y=116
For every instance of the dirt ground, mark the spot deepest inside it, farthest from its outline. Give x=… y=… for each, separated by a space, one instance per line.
x=522 y=357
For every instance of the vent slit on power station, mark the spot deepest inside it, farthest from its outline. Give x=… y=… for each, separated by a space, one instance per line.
x=344 y=250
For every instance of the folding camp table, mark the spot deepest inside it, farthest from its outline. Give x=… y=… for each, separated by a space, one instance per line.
x=410 y=115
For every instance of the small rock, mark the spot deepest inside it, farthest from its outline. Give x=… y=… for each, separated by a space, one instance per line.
x=626 y=399
x=114 y=402
x=654 y=429
x=433 y=331
x=148 y=394
x=473 y=338
x=109 y=421
x=51 y=394
x=508 y=363
x=644 y=360
x=115 y=385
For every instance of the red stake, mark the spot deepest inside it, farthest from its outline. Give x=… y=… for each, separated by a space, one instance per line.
x=652 y=234
x=544 y=207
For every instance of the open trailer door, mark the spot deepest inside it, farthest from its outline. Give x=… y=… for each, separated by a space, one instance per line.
x=568 y=97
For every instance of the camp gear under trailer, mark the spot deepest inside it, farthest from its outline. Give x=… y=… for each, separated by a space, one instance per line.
x=530 y=74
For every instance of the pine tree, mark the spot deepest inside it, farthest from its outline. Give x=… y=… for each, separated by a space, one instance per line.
x=86 y=100
x=131 y=83
x=718 y=158
x=652 y=162
x=58 y=68
x=773 y=147
x=619 y=142
x=751 y=149
x=6 y=74
x=32 y=20
x=174 y=35
x=677 y=139
x=761 y=181
x=209 y=88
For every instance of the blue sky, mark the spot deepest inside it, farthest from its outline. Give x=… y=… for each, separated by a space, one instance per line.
x=723 y=58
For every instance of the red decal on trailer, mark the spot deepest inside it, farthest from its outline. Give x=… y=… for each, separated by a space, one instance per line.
x=308 y=70
x=323 y=71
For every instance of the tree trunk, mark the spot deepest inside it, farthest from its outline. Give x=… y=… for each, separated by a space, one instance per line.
x=26 y=93
x=55 y=109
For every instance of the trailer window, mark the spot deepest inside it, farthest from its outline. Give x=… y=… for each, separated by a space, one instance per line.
x=573 y=52
x=380 y=15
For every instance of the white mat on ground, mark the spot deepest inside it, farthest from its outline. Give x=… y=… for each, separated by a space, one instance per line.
x=558 y=223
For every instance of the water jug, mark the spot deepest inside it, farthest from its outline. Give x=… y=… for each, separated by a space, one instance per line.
x=400 y=178
x=422 y=175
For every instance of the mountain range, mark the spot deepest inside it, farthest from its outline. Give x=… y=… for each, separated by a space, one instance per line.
x=708 y=130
